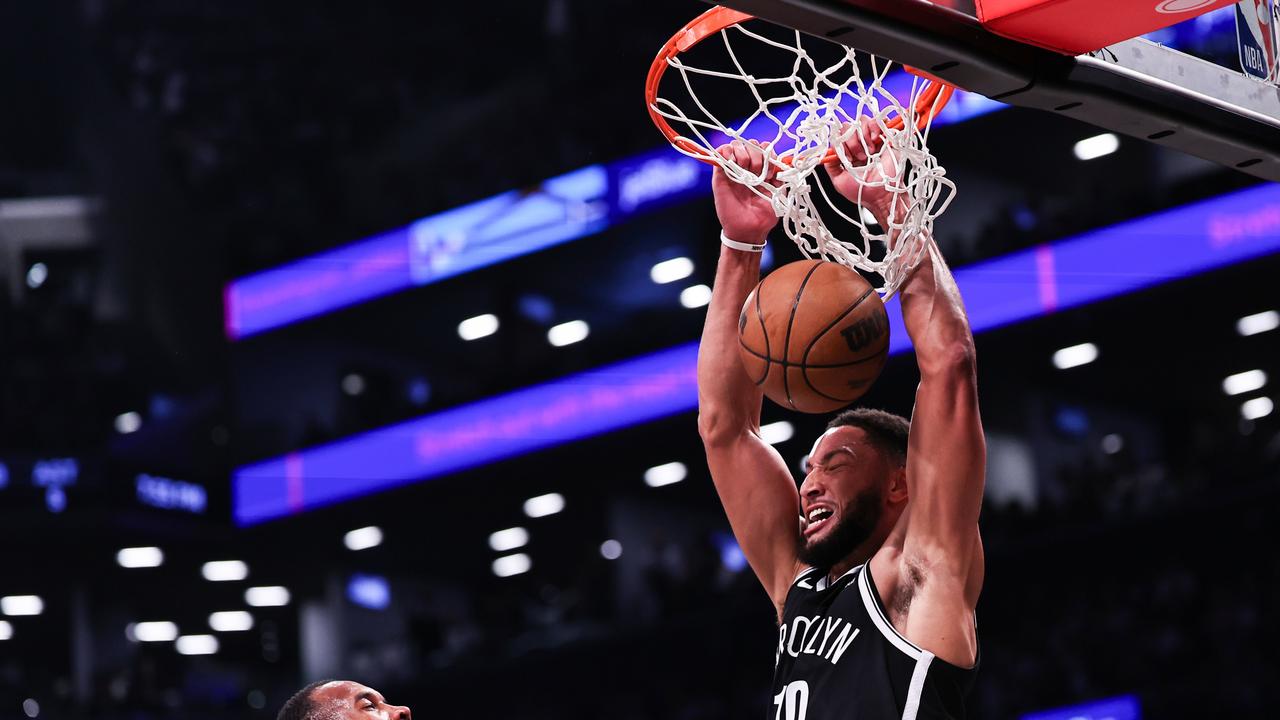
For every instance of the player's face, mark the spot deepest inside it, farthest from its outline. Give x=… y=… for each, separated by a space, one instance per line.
x=352 y=700
x=841 y=498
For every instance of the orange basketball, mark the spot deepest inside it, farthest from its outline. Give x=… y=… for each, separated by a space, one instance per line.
x=814 y=335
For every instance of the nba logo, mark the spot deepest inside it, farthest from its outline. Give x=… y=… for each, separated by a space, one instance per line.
x=1256 y=33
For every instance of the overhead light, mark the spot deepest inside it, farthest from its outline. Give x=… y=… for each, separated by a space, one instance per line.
x=666 y=474
x=543 y=505
x=196 y=645
x=369 y=591
x=611 y=549
x=128 y=422
x=1075 y=356
x=695 y=296
x=266 y=596
x=1244 y=382
x=154 y=631
x=225 y=571
x=363 y=538
x=353 y=384
x=1257 y=408
x=6 y=630
x=568 y=333
x=1258 y=323
x=671 y=270
x=1112 y=444
x=777 y=432
x=509 y=565
x=231 y=621
x=36 y=275
x=140 y=557
x=477 y=327
x=509 y=539
x=1094 y=147
x=17 y=605
x=31 y=708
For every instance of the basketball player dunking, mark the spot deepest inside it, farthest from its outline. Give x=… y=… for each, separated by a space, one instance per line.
x=875 y=589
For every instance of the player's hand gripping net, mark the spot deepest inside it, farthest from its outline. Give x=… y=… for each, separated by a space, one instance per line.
x=837 y=113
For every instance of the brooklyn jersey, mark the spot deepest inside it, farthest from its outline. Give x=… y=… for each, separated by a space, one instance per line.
x=839 y=657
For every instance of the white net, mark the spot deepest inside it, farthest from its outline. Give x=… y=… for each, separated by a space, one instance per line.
x=806 y=118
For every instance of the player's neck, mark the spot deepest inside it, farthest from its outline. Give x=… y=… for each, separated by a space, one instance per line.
x=860 y=555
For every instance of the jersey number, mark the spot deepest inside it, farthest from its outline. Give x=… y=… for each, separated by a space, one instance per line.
x=792 y=702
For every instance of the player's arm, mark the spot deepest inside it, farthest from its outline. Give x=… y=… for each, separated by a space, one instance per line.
x=755 y=487
x=946 y=455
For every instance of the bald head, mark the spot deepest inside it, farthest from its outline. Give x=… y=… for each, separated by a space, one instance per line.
x=340 y=700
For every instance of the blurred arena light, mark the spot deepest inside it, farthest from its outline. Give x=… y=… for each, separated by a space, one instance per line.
x=1075 y=356
x=509 y=565
x=665 y=474
x=31 y=708
x=353 y=384
x=19 y=605
x=695 y=296
x=231 y=621
x=1258 y=323
x=1257 y=408
x=369 y=591
x=6 y=630
x=140 y=557
x=36 y=275
x=267 y=596
x=669 y=271
x=544 y=505
x=568 y=333
x=225 y=570
x=151 y=631
x=477 y=327
x=611 y=549
x=777 y=432
x=509 y=539
x=129 y=422
x=363 y=538
x=196 y=645
x=1112 y=444
x=1097 y=146
x=1244 y=382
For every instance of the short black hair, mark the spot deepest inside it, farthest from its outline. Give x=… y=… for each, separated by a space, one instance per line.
x=301 y=706
x=888 y=432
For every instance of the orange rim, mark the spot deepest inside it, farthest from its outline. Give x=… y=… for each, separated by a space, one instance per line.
x=935 y=95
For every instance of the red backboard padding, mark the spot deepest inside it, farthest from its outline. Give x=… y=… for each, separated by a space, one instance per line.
x=1073 y=27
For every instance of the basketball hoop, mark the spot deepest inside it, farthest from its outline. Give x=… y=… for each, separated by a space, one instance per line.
x=808 y=115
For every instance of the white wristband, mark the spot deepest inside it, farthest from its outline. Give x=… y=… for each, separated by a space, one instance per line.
x=744 y=247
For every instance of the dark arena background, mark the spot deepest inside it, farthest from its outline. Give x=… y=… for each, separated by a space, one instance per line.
x=357 y=339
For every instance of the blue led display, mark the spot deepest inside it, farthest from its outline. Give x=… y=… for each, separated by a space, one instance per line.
x=554 y=413
x=1116 y=260
x=1124 y=707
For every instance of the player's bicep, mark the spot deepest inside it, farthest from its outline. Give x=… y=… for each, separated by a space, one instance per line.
x=760 y=498
x=946 y=469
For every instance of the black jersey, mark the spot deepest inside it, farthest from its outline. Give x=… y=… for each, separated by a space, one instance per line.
x=839 y=657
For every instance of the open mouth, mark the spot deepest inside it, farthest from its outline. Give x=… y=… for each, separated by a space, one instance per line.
x=816 y=519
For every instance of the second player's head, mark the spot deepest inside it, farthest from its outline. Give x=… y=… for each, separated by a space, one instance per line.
x=855 y=487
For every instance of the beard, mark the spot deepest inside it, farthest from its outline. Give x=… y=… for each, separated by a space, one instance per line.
x=850 y=531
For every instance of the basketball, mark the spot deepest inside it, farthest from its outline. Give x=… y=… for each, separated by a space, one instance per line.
x=814 y=335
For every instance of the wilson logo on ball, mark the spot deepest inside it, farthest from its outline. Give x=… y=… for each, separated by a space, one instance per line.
x=863 y=332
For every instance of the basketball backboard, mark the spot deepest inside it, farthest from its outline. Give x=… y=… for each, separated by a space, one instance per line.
x=1135 y=87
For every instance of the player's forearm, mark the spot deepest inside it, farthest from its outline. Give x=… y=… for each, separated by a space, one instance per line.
x=934 y=315
x=728 y=402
